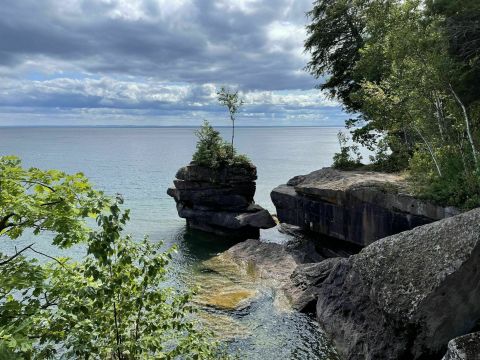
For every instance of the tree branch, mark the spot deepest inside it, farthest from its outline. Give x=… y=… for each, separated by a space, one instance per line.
x=38 y=183
x=3 y=222
x=48 y=256
x=17 y=253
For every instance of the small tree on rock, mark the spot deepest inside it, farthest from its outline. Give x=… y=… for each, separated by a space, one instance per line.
x=233 y=102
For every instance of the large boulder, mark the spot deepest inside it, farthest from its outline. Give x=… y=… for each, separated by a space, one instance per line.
x=407 y=295
x=355 y=206
x=220 y=200
x=465 y=347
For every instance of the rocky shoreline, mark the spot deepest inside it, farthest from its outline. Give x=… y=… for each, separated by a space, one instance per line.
x=412 y=292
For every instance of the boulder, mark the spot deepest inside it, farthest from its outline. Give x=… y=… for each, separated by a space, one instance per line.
x=220 y=200
x=355 y=206
x=465 y=347
x=303 y=287
x=407 y=295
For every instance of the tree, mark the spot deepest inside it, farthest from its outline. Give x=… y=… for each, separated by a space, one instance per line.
x=461 y=26
x=46 y=201
x=233 y=103
x=214 y=152
x=335 y=37
x=114 y=303
x=417 y=105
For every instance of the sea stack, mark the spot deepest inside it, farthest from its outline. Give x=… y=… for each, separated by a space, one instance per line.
x=220 y=200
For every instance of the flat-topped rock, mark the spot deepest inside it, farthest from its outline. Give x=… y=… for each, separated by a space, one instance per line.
x=225 y=175
x=355 y=206
x=405 y=296
x=220 y=200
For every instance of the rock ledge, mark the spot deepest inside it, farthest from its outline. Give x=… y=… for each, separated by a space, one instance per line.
x=355 y=206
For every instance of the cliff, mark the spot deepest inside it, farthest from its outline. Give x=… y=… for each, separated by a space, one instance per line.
x=355 y=206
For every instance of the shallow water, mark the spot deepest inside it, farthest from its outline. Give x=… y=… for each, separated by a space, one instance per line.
x=140 y=163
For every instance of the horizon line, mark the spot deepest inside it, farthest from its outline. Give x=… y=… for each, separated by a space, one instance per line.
x=165 y=126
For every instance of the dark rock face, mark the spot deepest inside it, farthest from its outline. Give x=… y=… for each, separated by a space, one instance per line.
x=405 y=296
x=355 y=206
x=220 y=200
x=305 y=280
x=465 y=347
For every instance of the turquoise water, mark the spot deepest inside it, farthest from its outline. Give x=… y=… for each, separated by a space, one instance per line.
x=140 y=163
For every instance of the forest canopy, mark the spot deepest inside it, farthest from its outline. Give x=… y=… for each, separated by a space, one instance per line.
x=408 y=72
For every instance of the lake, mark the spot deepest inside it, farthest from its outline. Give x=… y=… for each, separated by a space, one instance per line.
x=140 y=164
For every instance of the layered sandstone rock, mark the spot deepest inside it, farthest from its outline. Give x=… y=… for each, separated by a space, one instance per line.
x=355 y=206
x=220 y=200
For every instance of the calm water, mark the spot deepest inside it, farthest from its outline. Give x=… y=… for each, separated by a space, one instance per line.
x=140 y=163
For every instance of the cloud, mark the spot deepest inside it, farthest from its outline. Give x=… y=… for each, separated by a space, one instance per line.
x=147 y=94
x=254 y=44
x=154 y=54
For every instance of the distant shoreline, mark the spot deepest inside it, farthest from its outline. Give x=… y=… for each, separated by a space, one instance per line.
x=155 y=126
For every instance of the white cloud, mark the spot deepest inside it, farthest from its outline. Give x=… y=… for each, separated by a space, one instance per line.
x=156 y=55
x=110 y=92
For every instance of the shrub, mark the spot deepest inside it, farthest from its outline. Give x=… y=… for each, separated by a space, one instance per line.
x=111 y=304
x=456 y=187
x=349 y=157
x=214 y=152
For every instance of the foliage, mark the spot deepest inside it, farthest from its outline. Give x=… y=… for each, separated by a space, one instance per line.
x=335 y=37
x=112 y=304
x=214 y=152
x=415 y=93
x=233 y=103
x=46 y=201
x=349 y=157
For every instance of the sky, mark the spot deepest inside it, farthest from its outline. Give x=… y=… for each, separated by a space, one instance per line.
x=157 y=62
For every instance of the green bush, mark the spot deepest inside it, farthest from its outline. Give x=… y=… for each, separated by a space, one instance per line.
x=214 y=152
x=456 y=187
x=111 y=304
x=349 y=157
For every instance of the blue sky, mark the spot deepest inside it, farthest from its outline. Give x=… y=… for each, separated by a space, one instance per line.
x=156 y=62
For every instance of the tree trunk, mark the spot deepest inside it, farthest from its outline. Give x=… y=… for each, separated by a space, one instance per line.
x=233 y=132
x=430 y=151
x=467 y=124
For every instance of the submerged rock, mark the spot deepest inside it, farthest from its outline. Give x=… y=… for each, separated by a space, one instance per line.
x=223 y=285
x=355 y=206
x=407 y=295
x=220 y=201
x=287 y=267
x=465 y=347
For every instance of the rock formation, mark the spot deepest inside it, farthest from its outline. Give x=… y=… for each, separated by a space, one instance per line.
x=355 y=206
x=465 y=347
x=289 y=267
x=405 y=296
x=220 y=200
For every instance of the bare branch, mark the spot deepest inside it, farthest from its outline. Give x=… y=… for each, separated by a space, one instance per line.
x=17 y=253
x=48 y=256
